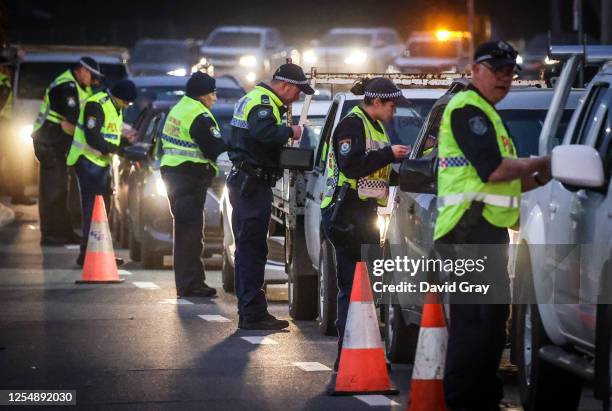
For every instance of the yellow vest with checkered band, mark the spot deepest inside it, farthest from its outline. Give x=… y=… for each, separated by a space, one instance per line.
x=376 y=185
x=177 y=145
x=46 y=114
x=7 y=110
x=111 y=131
x=259 y=95
x=458 y=182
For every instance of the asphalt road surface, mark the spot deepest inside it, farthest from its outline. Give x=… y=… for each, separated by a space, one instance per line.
x=134 y=346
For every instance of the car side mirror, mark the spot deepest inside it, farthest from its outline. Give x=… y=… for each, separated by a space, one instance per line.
x=419 y=175
x=137 y=152
x=577 y=165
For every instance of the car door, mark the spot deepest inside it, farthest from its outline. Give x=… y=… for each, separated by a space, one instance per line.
x=316 y=185
x=572 y=224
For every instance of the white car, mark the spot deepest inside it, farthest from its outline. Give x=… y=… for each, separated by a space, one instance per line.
x=275 y=268
x=354 y=50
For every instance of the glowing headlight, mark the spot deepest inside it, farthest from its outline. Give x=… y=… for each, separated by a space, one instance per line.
x=549 y=62
x=310 y=57
x=25 y=133
x=160 y=187
x=251 y=77
x=383 y=224
x=180 y=71
x=356 y=57
x=519 y=59
x=248 y=61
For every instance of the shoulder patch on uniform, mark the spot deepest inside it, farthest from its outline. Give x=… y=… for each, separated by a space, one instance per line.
x=345 y=146
x=264 y=113
x=91 y=122
x=71 y=84
x=265 y=99
x=71 y=102
x=215 y=132
x=478 y=125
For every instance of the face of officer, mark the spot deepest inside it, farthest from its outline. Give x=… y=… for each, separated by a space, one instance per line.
x=494 y=83
x=84 y=76
x=287 y=92
x=209 y=99
x=381 y=110
x=121 y=104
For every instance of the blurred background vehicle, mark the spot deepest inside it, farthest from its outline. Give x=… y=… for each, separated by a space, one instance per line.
x=164 y=57
x=435 y=52
x=249 y=53
x=354 y=50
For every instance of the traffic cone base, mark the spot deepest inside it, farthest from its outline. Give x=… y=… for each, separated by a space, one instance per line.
x=99 y=266
x=362 y=368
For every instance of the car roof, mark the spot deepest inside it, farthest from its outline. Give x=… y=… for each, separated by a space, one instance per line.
x=169 y=42
x=317 y=108
x=414 y=93
x=179 y=81
x=358 y=30
x=244 y=29
x=62 y=57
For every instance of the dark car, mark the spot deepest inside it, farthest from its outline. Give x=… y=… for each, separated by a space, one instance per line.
x=164 y=57
x=410 y=230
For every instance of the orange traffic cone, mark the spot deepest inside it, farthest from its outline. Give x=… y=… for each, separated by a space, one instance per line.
x=100 y=265
x=427 y=388
x=362 y=368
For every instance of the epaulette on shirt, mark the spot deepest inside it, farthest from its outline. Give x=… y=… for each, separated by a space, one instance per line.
x=104 y=99
x=265 y=99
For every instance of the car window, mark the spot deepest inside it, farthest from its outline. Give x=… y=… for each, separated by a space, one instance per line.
x=388 y=38
x=312 y=131
x=234 y=39
x=588 y=113
x=429 y=137
x=321 y=155
x=151 y=128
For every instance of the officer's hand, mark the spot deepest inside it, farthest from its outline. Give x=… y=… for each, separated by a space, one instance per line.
x=297 y=132
x=545 y=172
x=400 y=151
x=68 y=127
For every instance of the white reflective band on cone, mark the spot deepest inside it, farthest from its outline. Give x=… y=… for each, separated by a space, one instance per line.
x=99 y=240
x=361 y=329
x=431 y=354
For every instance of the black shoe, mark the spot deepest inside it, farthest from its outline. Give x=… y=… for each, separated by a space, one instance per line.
x=268 y=322
x=52 y=240
x=203 y=291
x=22 y=200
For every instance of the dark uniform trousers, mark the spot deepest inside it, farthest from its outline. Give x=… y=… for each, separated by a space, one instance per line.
x=250 y=223
x=93 y=180
x=187 y=195
x=53 y=183
x=477 y=332
x=348 y=248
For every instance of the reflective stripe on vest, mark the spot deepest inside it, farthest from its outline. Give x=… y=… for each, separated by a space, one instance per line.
x=376 y=185
x=458 y=181
x=110 y=131
x=177 y=144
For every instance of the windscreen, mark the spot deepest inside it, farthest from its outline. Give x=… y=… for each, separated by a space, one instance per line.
x=235 y=39
x=346 y=40
x=440 y=49
x=160 y=53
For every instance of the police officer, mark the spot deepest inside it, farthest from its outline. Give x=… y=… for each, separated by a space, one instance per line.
x=480 y=180
x=53 y=131
x=358 y=175
x=97 y=137
x=255 y=143
x=191 y=142
x=10 y=153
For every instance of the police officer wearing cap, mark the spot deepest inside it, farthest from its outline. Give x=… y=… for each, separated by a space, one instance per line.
x=53 y=132
x=191 y=142
x=480 y=180
x=255 y=143
x=97 y=137
x=358 y=174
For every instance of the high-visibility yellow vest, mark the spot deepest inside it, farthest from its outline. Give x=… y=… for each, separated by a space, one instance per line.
x=46 y=113
x=376 y=185
x=259 y=95
x=177 y=144
x=111 y=131
x=458 y=182
x=7 y=110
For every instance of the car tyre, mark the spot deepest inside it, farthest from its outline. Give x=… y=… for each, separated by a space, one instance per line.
x=400 y=339
x=302 y=287
x=227 y=273
x=134 y=246
x=151 y=259
x=328 y=290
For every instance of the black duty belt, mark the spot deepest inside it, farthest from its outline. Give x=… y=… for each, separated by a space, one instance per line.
x=267 y=175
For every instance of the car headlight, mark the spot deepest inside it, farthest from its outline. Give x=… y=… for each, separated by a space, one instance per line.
x=519 y=59
x=251 y=77
x=180 y=71
x=356 y=57
x=160 y=187
x=248 y=61
x=310 y=57
x=25 y=133
x=549 y=62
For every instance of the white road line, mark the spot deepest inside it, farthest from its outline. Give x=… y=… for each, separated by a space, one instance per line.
x=311 y=366
x=260 y=340
x=215 y=318
x=175 y=301
x=376 y=400
x=72 y=246
x=124 y=272
x=147 y=285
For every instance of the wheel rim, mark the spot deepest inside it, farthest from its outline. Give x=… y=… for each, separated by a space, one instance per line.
x=390 y=318
x=527 y=344
x=321 y=290
x=290 y=293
